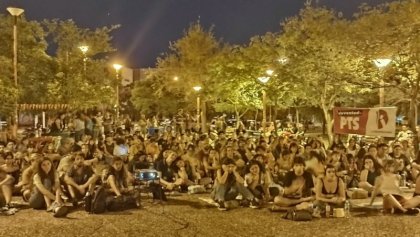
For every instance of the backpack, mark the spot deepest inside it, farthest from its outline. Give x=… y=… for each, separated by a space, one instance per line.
x=96 y=202
x=298 y=215
x=120 y=203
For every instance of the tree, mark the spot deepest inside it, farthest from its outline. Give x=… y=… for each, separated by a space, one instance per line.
x=149 y=97
x=189 y=58
x=71 y=84
x=34 y=65
x=321 y=63
x=392 y=31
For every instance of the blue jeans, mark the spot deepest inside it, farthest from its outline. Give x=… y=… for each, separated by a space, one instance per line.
x=37 y=201
x=225 y=192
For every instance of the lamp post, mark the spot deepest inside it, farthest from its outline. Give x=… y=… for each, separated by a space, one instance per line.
x=264 y=81
x=382 y=63
x=197 y=89
x=84 y=49
x=117 y=68
x=15 y=12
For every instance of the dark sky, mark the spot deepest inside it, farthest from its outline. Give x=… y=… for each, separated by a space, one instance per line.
x=149 y=25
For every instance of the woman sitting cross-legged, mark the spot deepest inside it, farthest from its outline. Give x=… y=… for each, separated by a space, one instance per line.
x=298 y=186
x=414 y=202
x=47 y=191
x=330 y=190
x=388 y=185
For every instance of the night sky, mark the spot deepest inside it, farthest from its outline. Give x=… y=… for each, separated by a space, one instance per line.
x=149 y=25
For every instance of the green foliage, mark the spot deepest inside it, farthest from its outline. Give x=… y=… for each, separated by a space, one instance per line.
x=71 y=84
x=188 y=59
x=60 y=78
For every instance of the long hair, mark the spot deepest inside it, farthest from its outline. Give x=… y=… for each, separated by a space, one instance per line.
x=254 y=162
x=120 y=175
x=50 y=175
x=376 y=165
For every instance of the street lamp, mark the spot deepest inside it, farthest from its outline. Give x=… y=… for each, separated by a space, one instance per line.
x=84 y=49
x=197 y=89
x=15 y=12
x=381 y=63
x=117 y=68
x=264 y=81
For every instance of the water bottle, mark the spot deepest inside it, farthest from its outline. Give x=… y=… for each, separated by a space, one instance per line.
x=347 y=209
x=327 y=210
x=403 y=179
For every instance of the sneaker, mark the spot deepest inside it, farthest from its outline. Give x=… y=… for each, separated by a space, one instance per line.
x=53 y=206
x=412 y=211
x=6 y=207
x=61 y=211
x=254 y=204
x=221 y=206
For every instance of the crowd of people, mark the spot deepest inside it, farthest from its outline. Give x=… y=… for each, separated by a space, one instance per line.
x=287 y=170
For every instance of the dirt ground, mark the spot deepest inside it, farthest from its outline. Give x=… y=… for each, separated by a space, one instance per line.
x=187 y=215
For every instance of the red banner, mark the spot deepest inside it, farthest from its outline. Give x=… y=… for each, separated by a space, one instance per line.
x=365 y=121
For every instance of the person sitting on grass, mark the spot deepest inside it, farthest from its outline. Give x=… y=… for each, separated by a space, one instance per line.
x=229 y=183
x=47 y=191
x=183 y=171
x=298 y=185
x=165 y=166
x=369 y=174
x=26 y=184
x=415 y=201
x=388 y=185
x=119 y=180
x=257 y=180
x=80 y=179
x=329 y=190
x=118 y=177
x=9 y=174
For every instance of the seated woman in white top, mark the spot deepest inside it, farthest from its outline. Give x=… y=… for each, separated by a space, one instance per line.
x=388 y=185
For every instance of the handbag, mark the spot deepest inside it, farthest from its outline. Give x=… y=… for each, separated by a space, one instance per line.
x=298 y=215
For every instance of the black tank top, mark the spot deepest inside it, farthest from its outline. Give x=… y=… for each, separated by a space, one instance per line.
x=371 y=176
x=324 y=191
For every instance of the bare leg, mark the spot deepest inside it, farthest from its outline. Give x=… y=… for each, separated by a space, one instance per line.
x=47 y=201
x=286 y=202
x=26 y=194
x=366 y=186
x=71 y=191
x=391 y=202
x=412 y=203
x=7 y=193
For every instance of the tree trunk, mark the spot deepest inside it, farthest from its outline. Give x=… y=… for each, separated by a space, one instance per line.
x=413 y=121
x=204 y=116
x=275 y=118
x=329 y=123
